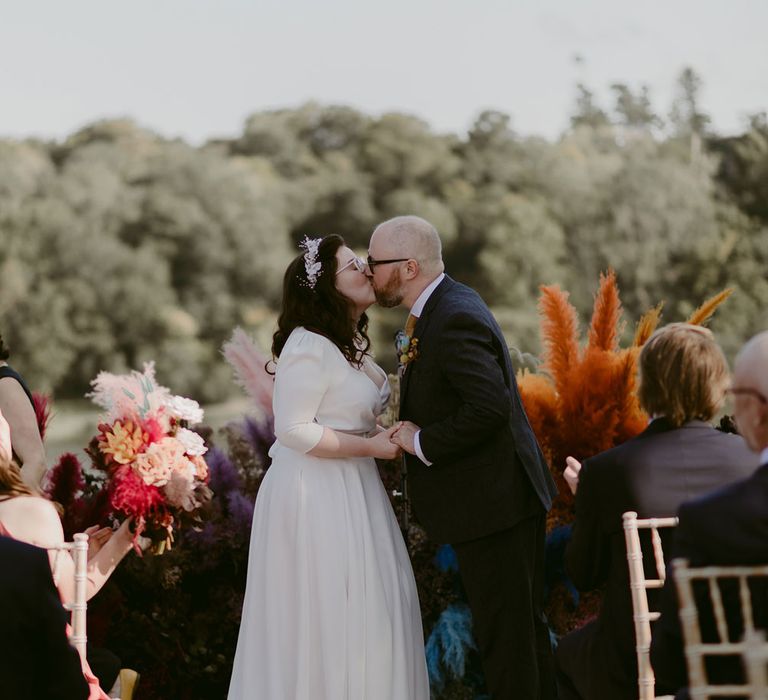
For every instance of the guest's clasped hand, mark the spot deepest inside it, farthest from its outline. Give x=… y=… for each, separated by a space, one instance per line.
x=97 y=538
x=571 y=473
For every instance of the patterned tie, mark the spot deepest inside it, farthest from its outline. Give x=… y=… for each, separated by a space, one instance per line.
x=410 y=325
x=403 y=342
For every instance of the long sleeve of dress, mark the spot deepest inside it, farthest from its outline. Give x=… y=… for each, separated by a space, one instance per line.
x=301 y=380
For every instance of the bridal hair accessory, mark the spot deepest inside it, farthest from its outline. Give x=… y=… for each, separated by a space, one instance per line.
x=312 y=265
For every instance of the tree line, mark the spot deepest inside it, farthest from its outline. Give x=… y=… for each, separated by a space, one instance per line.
x=119 y=246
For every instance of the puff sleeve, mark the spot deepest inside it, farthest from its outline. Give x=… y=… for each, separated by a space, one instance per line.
x=301 y=380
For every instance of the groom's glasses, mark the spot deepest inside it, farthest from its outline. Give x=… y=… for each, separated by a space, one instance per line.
x=372 y=263
x=357 y=263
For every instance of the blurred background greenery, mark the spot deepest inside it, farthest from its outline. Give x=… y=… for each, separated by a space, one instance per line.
x=118 y=246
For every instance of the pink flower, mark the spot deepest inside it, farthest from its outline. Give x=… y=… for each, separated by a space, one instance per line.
x=161 y=459
x=153 y=431
x=180 y=490
x=201 y=468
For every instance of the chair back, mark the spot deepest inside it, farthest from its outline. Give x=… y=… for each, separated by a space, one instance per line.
x=756 y=663
x=639 y=586
x=714 y=580
x=79 y=550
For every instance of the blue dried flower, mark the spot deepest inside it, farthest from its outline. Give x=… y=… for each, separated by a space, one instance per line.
x=448 y=643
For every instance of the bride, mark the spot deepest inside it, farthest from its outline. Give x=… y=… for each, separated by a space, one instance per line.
x=331 y=610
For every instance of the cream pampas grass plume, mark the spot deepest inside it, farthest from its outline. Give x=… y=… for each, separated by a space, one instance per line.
x=249 y=365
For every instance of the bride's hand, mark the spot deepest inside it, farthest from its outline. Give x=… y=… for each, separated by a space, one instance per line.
x=380 y=444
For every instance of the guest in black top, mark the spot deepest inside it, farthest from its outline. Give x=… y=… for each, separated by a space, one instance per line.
x=683 y=377
x=37 y=662
x=18 y=408
x=727 y=527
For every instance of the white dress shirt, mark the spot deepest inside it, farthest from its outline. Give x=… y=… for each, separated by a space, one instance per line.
x=764 y=456
x=417 y=309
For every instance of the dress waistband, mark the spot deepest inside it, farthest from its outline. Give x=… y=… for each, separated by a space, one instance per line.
x=359 y=433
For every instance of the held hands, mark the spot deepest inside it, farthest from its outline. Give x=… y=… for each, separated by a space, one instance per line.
x=571 y=473
x=382 y=445
x=404 y=436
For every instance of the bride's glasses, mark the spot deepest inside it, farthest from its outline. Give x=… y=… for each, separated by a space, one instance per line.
x=357 y=263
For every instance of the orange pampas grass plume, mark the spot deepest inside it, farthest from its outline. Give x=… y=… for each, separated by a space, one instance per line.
x=647 y=324
x=631 y=418
x=560 y=333
x=604 y=329
x=705 y=311
x=584 y=401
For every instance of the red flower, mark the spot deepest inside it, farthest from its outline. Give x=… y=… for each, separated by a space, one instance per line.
x=65 y=480
x=153 y=431
x=131 y=496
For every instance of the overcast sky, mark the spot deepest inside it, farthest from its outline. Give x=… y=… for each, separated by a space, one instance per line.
x=197 y=68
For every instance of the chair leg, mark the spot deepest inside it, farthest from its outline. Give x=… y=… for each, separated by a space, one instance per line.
x=128 y=680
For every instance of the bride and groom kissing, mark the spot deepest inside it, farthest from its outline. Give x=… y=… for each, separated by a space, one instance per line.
x=331 y=610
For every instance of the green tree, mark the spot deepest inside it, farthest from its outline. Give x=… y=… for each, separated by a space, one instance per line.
x=634 y=110
x=686 y=116
x=587 y=112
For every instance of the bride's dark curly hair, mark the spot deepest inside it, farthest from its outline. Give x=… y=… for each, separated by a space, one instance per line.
x=324 y=309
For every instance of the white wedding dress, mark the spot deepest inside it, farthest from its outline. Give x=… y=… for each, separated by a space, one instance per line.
x=331 y=610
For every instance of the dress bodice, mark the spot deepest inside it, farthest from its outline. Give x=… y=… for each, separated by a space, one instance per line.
x=316 y=387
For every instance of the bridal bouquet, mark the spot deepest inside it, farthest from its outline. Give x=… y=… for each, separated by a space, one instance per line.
x=154 y=463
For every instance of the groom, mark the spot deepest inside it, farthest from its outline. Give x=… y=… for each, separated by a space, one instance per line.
x=476 y=475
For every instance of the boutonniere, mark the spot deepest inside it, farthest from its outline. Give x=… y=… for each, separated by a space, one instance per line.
x=407 y=348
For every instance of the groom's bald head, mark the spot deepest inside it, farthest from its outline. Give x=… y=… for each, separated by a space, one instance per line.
x=410 y=237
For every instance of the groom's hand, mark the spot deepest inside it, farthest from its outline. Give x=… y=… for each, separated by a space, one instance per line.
x=404 y=436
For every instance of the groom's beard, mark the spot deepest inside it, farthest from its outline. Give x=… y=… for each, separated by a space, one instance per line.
x=391 y=294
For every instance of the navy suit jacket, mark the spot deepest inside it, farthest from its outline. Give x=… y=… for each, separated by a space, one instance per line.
x=37 y=661
x=726 y=527
x=487 y=470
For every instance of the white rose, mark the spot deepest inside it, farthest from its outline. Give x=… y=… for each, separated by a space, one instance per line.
x=193 y=444
x=185 y=409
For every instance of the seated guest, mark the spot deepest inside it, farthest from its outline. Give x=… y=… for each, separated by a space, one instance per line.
x=728 y=526
x=29 y=518
x=683 y=378
x=37 y=661
x=19 y=410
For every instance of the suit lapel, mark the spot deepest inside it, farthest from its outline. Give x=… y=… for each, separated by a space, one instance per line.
x=422 y=325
